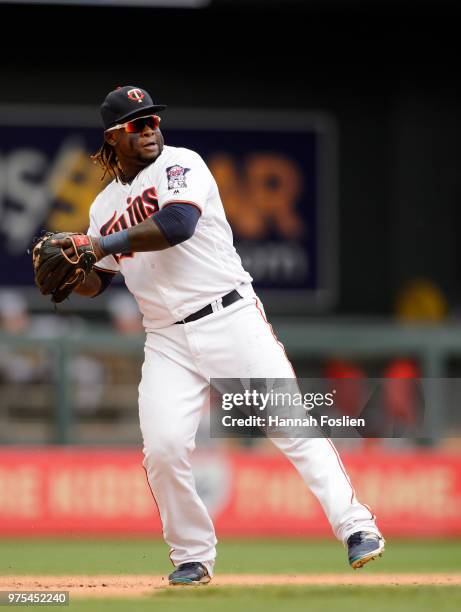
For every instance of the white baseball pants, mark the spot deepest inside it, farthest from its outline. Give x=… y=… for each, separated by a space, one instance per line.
x=235 y=342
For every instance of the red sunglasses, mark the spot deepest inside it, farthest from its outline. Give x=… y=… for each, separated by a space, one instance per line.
x=135 y=126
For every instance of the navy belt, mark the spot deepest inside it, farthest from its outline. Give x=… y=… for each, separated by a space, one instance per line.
x=226 y=300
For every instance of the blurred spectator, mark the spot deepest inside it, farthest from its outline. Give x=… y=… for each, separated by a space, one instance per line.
x=125 y=314
x=402 y=399
x=351 y=390
x=18 y=366
x=393 y=408
x=15 y=318
x=32 y=366
x=350 y=397
x=421 y=301
x=13 y=312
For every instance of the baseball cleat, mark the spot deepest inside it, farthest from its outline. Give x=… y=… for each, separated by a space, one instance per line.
x=364 y=546
x=190 y=573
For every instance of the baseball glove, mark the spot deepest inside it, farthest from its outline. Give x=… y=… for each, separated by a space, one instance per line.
x=58 y=271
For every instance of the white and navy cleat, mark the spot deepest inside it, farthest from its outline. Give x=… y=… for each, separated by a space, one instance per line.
x=189 y=573
x=364 y=546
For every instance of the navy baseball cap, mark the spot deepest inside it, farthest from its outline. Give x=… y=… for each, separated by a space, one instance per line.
x=125 y=103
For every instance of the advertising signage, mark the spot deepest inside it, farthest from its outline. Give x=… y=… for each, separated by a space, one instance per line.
x=276 y=176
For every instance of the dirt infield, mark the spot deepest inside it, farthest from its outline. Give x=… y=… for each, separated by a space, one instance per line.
x=140 y=586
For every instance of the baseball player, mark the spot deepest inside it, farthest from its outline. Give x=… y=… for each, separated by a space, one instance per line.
x=161 y=223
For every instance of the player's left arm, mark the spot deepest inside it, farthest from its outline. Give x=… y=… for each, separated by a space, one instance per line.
x=176 y=223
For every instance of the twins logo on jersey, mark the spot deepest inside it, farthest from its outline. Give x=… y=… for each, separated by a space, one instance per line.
x=138 y=209
x=176 y=176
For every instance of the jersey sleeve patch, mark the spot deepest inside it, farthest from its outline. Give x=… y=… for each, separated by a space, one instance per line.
x=176 y=176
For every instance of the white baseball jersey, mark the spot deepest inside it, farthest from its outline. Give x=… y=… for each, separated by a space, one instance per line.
x=180 y=360
x=173 y=283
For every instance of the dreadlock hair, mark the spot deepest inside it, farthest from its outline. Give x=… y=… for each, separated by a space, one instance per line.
x=108 y=161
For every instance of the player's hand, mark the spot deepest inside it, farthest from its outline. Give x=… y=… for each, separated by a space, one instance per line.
x=67 y=246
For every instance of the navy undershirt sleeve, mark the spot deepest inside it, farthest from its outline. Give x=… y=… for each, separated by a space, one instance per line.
x=177 y=222
x=106 y=279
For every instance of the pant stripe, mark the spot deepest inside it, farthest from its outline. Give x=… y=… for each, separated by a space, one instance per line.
x=273 y=334
x=348 y=479
x=156 y=504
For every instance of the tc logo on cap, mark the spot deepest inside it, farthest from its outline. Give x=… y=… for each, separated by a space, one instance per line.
x=136 y=95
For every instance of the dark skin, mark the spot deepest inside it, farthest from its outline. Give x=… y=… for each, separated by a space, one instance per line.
x=134 y=153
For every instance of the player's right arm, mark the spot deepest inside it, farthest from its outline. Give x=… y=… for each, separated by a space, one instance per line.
x=91 y=286
x=95 y=282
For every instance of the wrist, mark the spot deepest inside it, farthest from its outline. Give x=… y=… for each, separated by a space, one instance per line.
x=115 y=243
x=98 y=251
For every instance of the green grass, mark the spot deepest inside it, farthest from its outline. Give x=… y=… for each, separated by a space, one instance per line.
x=144 y=556
x=48 y=556
x=288 y=599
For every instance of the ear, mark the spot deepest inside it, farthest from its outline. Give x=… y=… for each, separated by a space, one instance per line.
x=111 y=137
